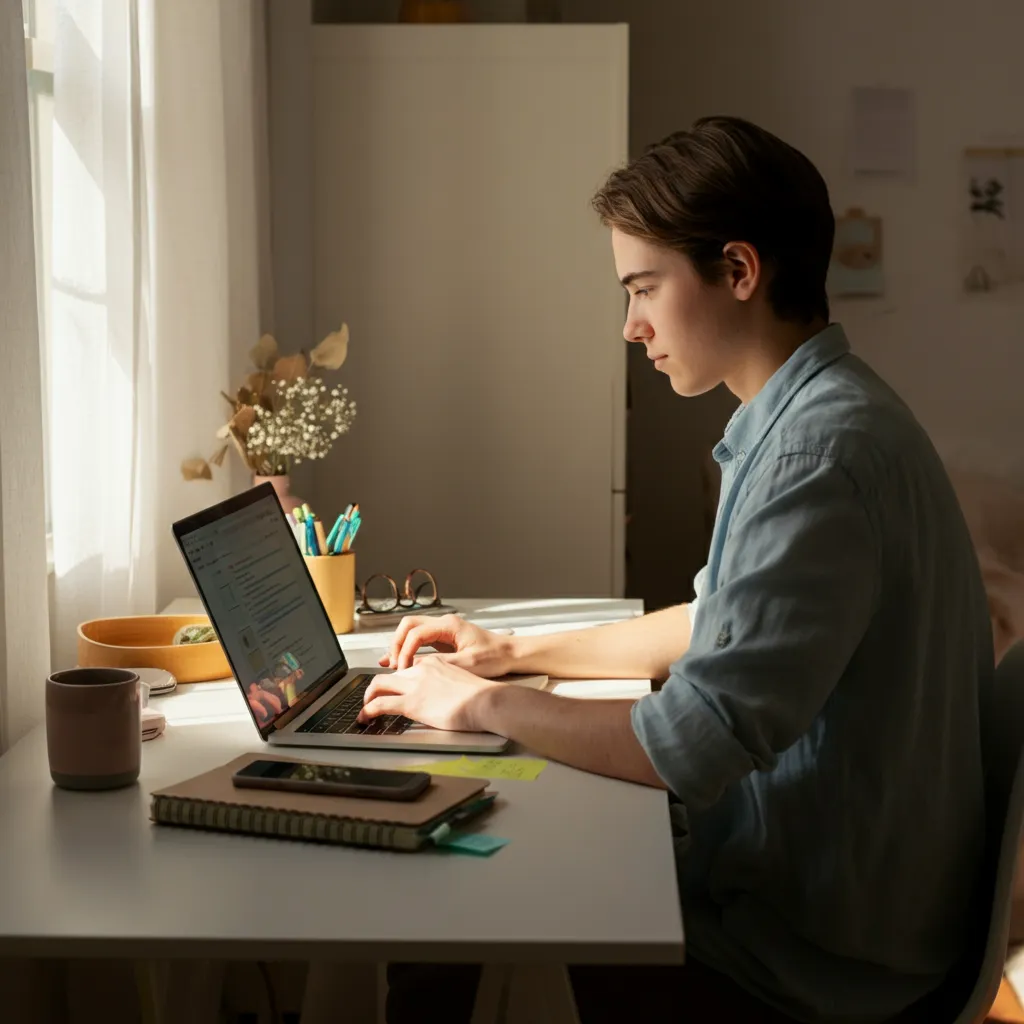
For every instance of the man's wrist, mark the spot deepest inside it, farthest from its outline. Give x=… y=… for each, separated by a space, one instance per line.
x=487 y=710
x=519 y=652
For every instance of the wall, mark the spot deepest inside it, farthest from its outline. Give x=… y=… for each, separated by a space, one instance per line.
x=789 y=66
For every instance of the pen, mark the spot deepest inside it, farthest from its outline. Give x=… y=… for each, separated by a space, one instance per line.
x=321 y=540
x=310 y=537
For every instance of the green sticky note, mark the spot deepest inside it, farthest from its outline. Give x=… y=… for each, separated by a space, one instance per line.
x=525 y=769
x=522 y=769
x=472 y=842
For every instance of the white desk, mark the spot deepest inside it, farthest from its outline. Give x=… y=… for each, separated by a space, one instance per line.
x=588 y=877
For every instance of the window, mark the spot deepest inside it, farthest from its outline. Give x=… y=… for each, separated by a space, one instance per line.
x=39 y=36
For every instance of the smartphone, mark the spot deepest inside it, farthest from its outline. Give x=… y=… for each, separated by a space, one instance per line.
x=333 y=780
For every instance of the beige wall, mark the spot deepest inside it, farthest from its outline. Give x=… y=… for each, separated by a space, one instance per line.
x=789 y=65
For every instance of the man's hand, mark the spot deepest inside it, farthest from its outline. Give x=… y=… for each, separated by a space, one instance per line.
x=432 y=692
x=462 y=643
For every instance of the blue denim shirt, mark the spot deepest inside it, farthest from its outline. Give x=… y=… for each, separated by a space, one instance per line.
x=822 y=730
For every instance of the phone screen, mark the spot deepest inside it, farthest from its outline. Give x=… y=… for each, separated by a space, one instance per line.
x=297 y=771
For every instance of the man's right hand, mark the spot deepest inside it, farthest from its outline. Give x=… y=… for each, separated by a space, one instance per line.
x=459 y=642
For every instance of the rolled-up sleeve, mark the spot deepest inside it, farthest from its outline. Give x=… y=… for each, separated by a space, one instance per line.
x=797 y=585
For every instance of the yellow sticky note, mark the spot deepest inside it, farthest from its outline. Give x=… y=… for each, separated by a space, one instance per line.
x=522 y=769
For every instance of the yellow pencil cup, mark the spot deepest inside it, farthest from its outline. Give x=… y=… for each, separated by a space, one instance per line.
x=334 y=577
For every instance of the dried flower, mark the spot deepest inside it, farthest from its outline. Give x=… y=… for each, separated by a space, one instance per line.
x=284 y=412
x=304 y=422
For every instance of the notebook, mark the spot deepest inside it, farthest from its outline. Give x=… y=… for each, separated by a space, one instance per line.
x=211 y=801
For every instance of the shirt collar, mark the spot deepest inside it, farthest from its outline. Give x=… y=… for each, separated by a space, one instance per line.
x=749 y=421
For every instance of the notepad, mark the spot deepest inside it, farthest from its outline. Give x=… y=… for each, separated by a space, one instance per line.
x=211 y=801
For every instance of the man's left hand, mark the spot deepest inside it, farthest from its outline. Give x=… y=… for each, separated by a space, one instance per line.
x=432 y=692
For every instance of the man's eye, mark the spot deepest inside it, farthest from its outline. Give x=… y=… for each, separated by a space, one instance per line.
x=641 y=291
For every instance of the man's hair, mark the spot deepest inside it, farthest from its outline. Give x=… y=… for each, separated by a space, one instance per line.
x=726 y=180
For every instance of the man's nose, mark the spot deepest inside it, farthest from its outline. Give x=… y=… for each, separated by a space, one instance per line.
x=636 y=330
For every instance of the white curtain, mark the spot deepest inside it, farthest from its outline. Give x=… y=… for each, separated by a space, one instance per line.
x=156 y=282
x=24 y=657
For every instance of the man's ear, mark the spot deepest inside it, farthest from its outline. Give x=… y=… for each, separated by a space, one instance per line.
x=743 y=269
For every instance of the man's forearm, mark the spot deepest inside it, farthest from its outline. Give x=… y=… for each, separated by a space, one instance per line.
x=640 y=648
x=595 y=735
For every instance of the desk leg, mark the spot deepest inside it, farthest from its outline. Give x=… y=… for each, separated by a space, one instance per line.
x=492 y=995
x=333 y=989
x=179 y=991
x=525 y=994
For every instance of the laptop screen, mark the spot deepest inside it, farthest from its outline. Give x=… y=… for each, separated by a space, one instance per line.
x=252 y=579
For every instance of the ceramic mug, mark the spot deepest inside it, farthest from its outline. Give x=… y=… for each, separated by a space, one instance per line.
x=93 y=735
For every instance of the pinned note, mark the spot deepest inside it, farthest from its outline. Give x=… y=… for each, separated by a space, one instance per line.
x=521 y=769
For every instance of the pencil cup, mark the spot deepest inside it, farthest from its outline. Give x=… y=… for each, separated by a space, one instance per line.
x=334 y=577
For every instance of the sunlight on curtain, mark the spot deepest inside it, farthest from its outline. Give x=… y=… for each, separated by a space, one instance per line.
x=101 y=428
x=158 y=165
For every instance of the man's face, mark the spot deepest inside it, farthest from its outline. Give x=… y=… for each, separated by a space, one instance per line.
x=686 y=324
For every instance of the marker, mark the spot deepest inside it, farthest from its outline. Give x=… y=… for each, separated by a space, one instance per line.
x=321 y=539
x=310 y=538
x=307 y=511
x=352 y=535
x=333 y=535
x=339 y=540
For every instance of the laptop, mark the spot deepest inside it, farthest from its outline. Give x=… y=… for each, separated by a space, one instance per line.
x=285 y=656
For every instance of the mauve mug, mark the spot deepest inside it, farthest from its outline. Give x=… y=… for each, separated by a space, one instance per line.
x=93 y=734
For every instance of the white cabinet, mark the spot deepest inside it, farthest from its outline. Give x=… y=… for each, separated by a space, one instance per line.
x=452 y=171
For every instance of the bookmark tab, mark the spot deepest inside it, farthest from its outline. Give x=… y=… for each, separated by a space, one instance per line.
x=475 y=843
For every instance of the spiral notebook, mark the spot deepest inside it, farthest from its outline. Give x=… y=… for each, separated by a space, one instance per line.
x=211 y=801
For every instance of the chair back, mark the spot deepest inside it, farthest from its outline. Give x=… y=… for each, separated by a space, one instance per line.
x=967 y=995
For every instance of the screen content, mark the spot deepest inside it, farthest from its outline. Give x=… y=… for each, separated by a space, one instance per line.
x=264 y=606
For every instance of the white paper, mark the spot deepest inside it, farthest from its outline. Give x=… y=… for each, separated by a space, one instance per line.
x=602 y=689
x=883 y=130
x=202 y=703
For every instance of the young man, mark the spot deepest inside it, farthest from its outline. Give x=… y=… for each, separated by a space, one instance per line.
x=820 y=722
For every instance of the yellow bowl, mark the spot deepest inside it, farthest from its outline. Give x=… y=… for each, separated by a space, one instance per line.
x=145 y=641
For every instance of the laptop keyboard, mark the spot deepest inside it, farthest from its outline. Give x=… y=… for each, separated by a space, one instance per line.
x=339 y=715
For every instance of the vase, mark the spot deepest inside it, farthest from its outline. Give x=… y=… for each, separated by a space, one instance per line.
x=282 y=488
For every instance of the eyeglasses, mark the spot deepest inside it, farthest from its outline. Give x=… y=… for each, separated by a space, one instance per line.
x=380 y=593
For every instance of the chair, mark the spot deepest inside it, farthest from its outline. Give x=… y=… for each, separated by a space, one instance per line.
x=967 y=995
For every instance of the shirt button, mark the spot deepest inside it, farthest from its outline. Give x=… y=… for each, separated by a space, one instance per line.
x=741 y=455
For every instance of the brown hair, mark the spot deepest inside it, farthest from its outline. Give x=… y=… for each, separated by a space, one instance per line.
x=726 y=180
